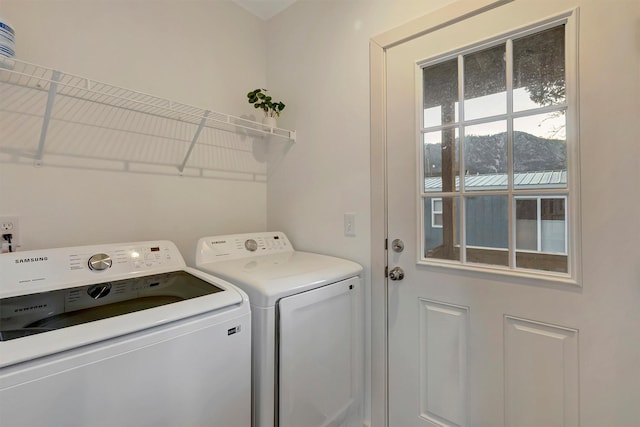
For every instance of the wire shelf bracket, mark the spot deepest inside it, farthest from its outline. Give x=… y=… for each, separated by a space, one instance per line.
x=51 y=98
x=193 y=142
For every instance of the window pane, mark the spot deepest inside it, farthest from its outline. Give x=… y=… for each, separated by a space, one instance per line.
x=527 y=224
x=437 y=205
x=550 y=230
x=552 y=209
x=553 y=225
x=540 y=151
x=441 y=240
x=485 y=83
x=485 y=156
x=538 y=70
x=441 y=160
x=487 y=230
x=440 y=93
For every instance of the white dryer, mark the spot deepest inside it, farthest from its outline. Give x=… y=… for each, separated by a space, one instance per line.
x=121 y=335
x=307 y=336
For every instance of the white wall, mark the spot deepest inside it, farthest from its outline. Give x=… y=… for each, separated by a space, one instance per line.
x=207 y=54
x=318 y=63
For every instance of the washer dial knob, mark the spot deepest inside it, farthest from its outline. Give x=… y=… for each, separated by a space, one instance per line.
x=251 y=245
x=99 y=262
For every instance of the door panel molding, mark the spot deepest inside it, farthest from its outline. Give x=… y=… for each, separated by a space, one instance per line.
x=531 y=399
x=444 y=330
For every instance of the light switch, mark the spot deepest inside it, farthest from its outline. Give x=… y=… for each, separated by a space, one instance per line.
x=350 y=224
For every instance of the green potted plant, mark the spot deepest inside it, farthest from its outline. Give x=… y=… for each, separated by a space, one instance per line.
x=271 y=108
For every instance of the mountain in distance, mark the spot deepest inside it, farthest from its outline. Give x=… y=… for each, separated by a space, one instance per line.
x=487 y=154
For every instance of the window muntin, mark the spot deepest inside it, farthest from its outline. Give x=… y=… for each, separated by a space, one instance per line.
x=510 y=113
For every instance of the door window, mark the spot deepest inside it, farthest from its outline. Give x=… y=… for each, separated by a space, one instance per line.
x=494 y=170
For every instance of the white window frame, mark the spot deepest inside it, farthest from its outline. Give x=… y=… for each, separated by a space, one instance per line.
x=571 y=192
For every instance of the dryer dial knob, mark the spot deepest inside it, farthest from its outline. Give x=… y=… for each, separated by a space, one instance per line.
x=99 y=262
x=251 y=245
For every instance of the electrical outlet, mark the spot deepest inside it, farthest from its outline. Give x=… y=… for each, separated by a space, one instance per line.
x=9 y=225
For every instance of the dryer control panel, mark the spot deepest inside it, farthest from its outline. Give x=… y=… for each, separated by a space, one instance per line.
x=235 y=246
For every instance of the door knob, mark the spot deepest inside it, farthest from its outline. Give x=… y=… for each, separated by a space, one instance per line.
x=396 y=273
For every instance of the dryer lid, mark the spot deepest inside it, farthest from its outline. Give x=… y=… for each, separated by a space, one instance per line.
x=267 y=278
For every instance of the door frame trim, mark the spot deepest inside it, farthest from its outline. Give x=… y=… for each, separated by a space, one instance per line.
x=378 y=46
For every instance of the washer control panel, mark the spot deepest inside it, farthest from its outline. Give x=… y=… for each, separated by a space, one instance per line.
x=128 y=258
x=47 y=269
x=234 y=246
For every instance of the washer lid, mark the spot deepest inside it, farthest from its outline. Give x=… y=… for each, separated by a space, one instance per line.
x=32 y=314
x=68 y=318
x=267 y=278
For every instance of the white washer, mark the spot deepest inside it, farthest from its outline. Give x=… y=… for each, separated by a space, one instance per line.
x=307 y=328
x=121 y=335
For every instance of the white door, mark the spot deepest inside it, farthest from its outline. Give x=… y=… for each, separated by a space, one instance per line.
x=520 y=300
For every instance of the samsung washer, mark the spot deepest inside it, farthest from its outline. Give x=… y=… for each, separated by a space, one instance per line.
x=120 y=335
x=307 y=328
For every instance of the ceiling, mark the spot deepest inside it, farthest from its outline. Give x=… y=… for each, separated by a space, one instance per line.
x=265 y=9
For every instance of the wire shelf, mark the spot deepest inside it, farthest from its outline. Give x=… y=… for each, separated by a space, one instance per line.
x=45 y=112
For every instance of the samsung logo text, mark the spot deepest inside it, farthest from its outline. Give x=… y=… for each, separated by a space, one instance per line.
x=36 y=259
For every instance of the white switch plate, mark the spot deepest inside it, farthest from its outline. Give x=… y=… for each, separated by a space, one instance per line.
x=350 y=224
x=9 y=225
